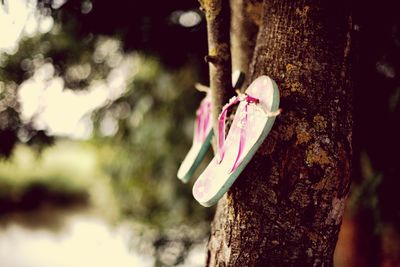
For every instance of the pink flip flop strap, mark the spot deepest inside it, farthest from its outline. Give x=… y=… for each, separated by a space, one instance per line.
x=221 y=126
x=202 y=120
x=242 y=139
x=243 y=122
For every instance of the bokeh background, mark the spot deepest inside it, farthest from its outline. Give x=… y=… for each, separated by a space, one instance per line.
x=97 y=106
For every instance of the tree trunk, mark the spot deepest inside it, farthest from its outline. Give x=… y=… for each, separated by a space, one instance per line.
x=286 y=207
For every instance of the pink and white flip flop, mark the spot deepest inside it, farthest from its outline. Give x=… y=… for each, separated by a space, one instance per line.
x=201 y=140
x=202 y=131
x=253 y=120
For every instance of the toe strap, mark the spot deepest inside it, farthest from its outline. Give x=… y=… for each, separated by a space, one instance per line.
x=243 y=121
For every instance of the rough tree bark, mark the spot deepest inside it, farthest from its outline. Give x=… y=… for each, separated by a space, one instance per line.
x=286 y=207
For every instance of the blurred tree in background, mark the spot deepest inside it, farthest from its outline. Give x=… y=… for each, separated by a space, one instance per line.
x=139 y=61
x=116 y=78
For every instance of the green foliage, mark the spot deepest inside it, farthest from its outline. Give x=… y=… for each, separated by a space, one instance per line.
x=364 y=197
x=64 y=175
x=143 y=156
x=140 y=136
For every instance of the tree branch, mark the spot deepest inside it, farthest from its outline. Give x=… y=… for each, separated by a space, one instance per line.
x=246 y=19
x=219 y=56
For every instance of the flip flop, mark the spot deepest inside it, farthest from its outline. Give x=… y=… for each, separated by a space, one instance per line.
x=252 y=122
x=202 y=131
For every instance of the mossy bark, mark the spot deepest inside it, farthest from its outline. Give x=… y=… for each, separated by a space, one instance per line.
x=286 y=208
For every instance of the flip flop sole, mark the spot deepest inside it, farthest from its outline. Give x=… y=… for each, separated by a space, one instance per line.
x=193 y=159
x=217 y=183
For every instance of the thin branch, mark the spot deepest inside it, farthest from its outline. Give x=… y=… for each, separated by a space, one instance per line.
x=201 y=88
x=219 y=55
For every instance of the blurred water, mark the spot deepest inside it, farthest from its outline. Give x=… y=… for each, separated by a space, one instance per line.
x=84 y=240
x=76 y=237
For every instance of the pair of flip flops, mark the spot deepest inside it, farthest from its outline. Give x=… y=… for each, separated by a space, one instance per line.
x=253 y=120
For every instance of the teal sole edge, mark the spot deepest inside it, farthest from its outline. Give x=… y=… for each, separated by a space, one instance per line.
x=200 y=156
